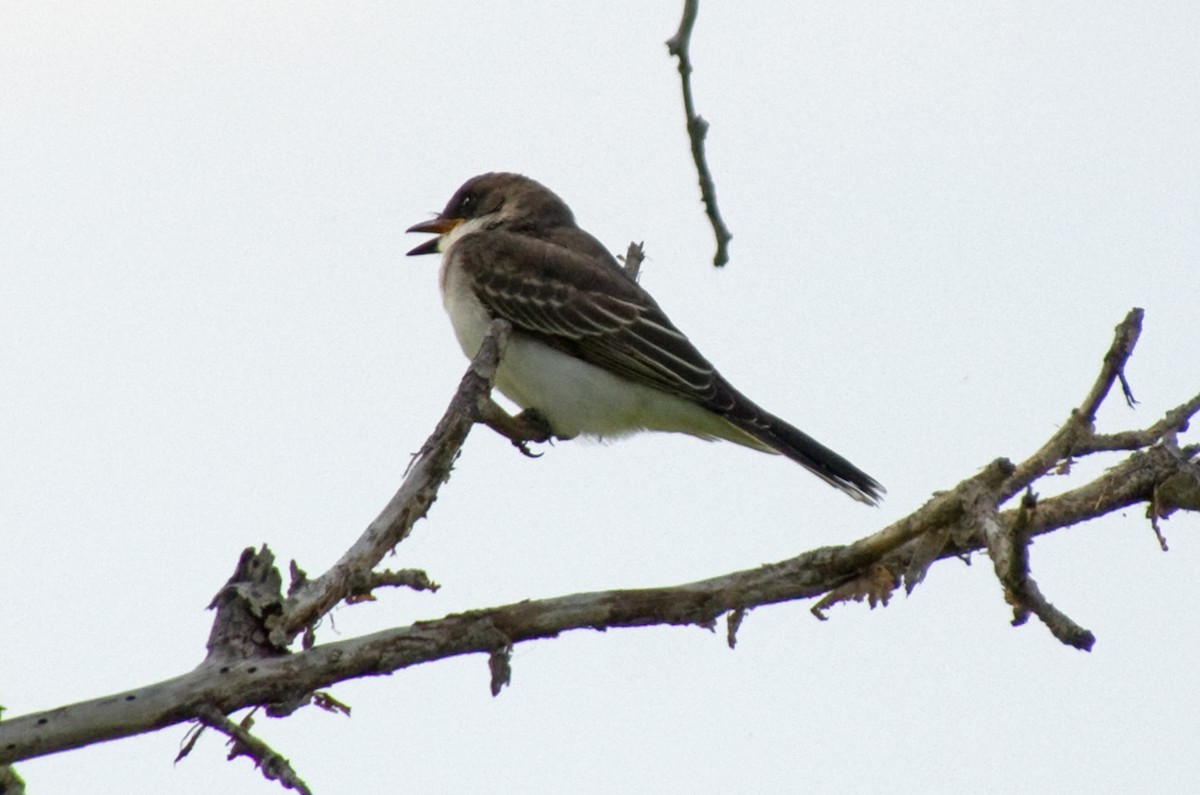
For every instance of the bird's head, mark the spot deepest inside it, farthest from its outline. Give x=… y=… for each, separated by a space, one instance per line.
x=492 y=200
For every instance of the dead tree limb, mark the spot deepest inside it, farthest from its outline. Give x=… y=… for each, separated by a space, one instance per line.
x=251 y=664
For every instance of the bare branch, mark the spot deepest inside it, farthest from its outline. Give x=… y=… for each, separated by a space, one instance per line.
x=414 y=579
x=1175 y=420
x=313 y=598
x=1130 y=482
x=246 y=672
x=679 y=46
x=1124 y=341
x=1080 y=425
x=274 y=766
x=1008 y=547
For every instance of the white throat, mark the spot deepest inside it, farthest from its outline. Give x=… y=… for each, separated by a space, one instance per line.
x=465 y=228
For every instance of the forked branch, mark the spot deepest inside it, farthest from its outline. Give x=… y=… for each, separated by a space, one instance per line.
x=251 y=662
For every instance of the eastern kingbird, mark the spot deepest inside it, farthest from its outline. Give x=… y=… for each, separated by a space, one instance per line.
x=591 y=351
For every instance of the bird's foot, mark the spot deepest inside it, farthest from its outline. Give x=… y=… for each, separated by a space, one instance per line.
x=528 y=426
x=533 y=427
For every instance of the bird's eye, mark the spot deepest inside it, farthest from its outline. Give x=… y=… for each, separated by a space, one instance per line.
x=466 y=205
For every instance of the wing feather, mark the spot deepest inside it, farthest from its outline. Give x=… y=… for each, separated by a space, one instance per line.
x=585 y=304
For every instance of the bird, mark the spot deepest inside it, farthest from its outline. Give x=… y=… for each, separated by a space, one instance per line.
x=591 y=352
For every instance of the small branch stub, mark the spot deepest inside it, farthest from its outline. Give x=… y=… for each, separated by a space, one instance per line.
x=634 y=255
x=500 y=665
x=733 y=622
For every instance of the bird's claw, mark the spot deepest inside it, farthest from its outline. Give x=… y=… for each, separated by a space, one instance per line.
x=524 y=448
x=534 y=428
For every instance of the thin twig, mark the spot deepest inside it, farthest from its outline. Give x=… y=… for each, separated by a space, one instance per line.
x=273 y=765
x=679 y=46
x=1173 y=421
x=1080 y=425
x=1124 y=341
x=363 y=585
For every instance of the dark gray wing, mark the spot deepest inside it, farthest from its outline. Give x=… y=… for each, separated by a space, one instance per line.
x=570 y=293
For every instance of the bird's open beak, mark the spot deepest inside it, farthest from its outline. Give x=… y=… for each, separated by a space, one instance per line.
x=438 y=226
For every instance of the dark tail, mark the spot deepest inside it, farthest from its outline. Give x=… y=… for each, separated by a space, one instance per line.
x=816 y=458
x=772 y=432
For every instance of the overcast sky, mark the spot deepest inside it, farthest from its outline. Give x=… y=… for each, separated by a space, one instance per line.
x=210 y=339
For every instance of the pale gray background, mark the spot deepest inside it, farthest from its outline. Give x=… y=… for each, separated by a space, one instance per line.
x=210 y=338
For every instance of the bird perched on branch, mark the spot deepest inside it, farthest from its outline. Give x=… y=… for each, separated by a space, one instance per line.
x=591 y=352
